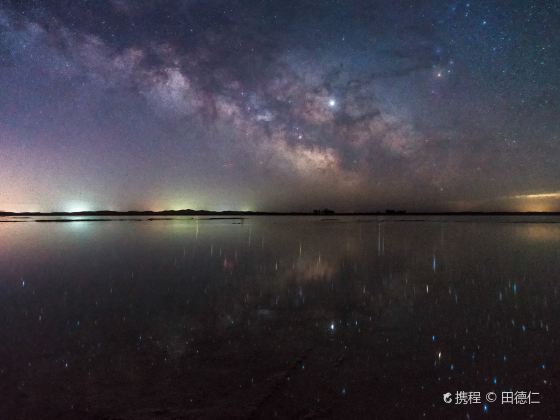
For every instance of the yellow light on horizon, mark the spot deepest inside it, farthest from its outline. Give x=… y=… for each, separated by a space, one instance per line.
x=537 y=196
x=538 y=202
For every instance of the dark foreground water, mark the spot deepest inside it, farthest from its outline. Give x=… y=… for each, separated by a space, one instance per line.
x=278 y=317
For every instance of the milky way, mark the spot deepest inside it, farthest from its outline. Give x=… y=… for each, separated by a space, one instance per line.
x=280 y=105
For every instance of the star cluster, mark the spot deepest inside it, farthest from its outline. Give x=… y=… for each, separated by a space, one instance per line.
x=279 y=105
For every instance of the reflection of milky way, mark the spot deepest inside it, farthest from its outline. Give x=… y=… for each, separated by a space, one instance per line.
x=207 y=315
x=278 y=105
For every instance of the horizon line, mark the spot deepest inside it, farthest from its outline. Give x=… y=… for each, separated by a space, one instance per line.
x=315 y=212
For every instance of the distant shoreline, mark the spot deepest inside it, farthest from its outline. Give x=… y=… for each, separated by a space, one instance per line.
x=263 y=213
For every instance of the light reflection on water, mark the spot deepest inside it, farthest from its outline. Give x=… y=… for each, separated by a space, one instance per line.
x=286 y=316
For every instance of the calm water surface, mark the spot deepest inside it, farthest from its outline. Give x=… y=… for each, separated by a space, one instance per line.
x=288 y=317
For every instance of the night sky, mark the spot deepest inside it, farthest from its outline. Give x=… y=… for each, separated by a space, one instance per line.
x=280 y=105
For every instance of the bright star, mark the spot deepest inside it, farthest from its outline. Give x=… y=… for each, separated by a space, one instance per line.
x=332 y=103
